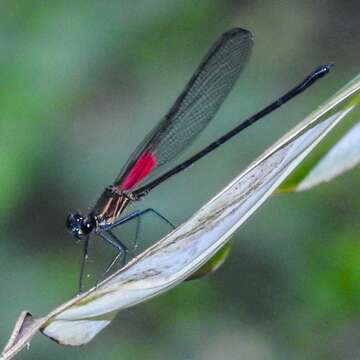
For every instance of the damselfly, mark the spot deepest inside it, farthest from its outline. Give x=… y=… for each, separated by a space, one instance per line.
x=186 y=119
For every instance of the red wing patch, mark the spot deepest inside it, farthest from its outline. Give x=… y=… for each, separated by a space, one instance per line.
x=143 y=166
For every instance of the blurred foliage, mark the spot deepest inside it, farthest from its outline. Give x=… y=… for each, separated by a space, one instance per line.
x=213 y=264
x=301 y=172
x=83 y=82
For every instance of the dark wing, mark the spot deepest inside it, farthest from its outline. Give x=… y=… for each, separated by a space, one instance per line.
x=193 y=109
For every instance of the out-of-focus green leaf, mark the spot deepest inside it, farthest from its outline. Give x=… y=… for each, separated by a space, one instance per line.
x=340 y=151
x=343 y=156
x=334 y=281
x=213 y=264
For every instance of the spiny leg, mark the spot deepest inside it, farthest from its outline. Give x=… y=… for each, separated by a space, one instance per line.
x=83 y=261
x=143 y=212
x=137 y=215
x=137 y=231
x=111 y=239
x=138 y=224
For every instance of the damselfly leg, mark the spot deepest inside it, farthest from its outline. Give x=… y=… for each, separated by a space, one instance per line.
x=106 y=234
x=135 y=215
x=122 y=250
x=83 y=261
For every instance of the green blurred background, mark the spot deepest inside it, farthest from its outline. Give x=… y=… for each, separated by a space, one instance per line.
x=82 y=82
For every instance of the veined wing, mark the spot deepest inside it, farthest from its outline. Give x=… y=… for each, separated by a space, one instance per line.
x=193 y=109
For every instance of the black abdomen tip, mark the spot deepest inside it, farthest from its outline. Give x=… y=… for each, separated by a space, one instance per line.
x=322 y=70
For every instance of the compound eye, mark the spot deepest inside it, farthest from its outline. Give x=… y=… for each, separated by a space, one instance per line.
x=87 y=225
x=73 y=223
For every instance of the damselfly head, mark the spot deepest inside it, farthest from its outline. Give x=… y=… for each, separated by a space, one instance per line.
x=79 y=225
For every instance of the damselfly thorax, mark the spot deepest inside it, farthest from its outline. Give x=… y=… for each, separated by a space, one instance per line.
x=110 y=205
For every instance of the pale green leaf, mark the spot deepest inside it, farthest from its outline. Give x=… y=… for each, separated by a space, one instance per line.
x=340 y=151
